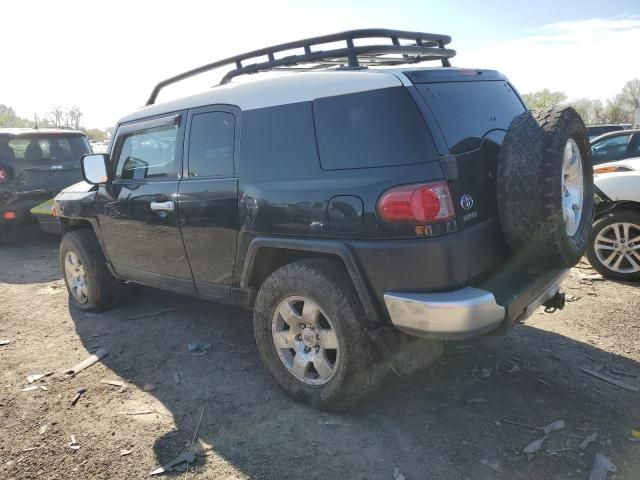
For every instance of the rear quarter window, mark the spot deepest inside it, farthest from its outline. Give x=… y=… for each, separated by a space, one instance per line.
x=467 y=111
x=378 y=128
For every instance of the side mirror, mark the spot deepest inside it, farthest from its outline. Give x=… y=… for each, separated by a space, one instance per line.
x=94 y=168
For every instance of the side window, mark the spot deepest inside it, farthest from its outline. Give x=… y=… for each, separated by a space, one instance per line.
x=148 y=154
x=378 y=128
x=633 y=149
x=211 y=143
x=612 y=148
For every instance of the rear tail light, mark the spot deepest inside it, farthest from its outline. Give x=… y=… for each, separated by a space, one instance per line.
x=416 y=204
x=4 y=175
x=9 y=215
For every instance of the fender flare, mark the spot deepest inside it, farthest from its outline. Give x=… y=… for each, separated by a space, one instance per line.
x=337 y=248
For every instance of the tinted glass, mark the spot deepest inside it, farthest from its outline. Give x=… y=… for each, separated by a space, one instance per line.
x=148 y=154
x=597 y=131
x=466 y=111
x=610 y=149
x=371 y=129
x=49 y=149
x=211 y=145
x=278 y=139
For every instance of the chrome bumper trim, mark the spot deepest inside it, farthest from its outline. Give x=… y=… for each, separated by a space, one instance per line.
x=464 y=313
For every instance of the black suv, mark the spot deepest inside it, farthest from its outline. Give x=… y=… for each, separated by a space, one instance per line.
x=348 y=206
x=35 y=164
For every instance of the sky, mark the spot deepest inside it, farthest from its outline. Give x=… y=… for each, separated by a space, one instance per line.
x=105 y=57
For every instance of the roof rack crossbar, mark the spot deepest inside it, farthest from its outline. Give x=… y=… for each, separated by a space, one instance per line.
x=422 y=47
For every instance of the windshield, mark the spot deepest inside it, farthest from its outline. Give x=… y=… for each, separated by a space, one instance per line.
x=57 y=148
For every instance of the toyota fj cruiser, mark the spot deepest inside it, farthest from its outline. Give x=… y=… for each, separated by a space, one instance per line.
x=346 y=204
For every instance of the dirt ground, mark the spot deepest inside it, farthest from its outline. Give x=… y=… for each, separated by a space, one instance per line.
x=449 y=421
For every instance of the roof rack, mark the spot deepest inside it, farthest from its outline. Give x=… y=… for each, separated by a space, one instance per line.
x=421 y=47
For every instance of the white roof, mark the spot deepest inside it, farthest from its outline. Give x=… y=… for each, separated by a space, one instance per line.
x=279 y=90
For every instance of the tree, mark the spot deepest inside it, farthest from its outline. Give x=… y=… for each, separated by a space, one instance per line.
x=96 y=135
x=617 y=110
x=544 y=98
x=591 y=111
x=72 y=117
x=9 y=118
x=56 y=116
x=630 y=95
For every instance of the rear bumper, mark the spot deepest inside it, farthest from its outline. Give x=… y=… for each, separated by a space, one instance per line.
x=467 y=312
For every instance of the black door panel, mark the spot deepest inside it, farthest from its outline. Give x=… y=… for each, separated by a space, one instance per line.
x=138 y=211
x=137 y=237
x=209 y=221
x=208 y=199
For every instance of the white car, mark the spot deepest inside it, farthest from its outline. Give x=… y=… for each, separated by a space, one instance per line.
x=614 y=244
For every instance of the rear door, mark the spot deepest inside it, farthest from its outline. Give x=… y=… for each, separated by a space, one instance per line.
x=138 y=214
x=473 y=116
x=208 y=194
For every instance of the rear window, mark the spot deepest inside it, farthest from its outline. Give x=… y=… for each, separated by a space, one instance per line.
x=467 y=111
x=48 y=149
x=371 y=129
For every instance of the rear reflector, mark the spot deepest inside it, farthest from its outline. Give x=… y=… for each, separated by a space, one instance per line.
x=419 y=203
x=9 y=215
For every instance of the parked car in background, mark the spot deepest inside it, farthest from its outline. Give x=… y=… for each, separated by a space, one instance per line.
x=614 y=243
x=596 y=130
x=35 y=164
x=615 y=146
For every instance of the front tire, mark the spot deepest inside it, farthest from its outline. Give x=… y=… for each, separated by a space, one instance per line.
x=90 y=284
x=614 y=246
x=310 y=332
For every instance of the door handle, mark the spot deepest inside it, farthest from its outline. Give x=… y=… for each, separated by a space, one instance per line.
x=167 y=206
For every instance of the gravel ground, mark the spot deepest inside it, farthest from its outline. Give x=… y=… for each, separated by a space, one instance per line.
x=448 y=421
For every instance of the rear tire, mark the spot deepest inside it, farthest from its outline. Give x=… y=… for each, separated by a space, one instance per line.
x=541 y=154
x=90 y=284
x=613 y=258
x=344 y=374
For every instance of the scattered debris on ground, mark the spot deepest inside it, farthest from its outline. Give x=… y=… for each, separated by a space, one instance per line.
x=77 y=396
x=612 y=380
x=113 y=383
x=137 y=412
x=199 y=348
x=154 y=314
x=33 y=378
x=491 y=465
x=187 y=457
x=397 y=475
x=4 y=342
x=96 y=357
x=589 y=439
x=73 y=444
x=601 y=467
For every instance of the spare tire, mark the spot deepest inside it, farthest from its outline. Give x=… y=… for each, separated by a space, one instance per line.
x=545 y=187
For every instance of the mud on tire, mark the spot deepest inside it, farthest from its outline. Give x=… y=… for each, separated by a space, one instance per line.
x=530 y=187
x=327 y=285
x=102 y=288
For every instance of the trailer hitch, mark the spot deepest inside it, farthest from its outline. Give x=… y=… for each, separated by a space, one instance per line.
x=555 y=303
